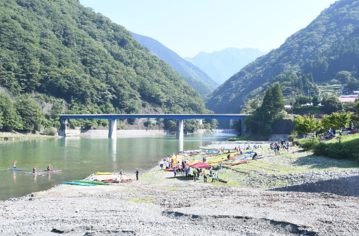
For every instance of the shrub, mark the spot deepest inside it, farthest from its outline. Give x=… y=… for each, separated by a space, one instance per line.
x=308 y=144
x=50 y=131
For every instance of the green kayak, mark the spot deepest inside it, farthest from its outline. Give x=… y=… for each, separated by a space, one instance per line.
x=80 y=184
x=90 y=182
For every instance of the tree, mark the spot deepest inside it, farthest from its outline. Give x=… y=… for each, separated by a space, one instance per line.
x=343 y=76
x=326 y=122
x=305 y=125
x=340 y=120
x=332 y=104
x=315 y=100
x=9 y=118
x=262 y=119
x=31 y=114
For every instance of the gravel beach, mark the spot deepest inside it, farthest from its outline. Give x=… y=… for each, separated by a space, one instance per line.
x=325 y=203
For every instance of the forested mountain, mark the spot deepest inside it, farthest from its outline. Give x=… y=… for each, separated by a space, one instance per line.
x=313 y=55
x=62 y=50
x=225 y=63
x=194 y=76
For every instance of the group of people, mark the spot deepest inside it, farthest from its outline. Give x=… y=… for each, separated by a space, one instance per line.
x=34 y=170
x=277 y=146
x=197 y=173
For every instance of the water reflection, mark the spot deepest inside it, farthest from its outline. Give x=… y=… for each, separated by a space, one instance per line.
x=113 y=148
x=14 y=176
x=180 y=145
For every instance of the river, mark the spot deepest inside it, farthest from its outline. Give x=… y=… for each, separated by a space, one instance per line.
x=79 y=157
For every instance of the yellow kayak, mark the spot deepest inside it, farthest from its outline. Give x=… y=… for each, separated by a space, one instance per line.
x=210 y=162
x=103 y=173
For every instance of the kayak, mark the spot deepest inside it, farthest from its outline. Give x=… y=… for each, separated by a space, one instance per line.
x=90 y=182
x=240 y=162
x=126 y=180
x=107 y=181
x=53 y=171
x=169 y=169
x=222 y=180
x=103 y=173
x=211 y=162
x=80 y=184
x=14 y=169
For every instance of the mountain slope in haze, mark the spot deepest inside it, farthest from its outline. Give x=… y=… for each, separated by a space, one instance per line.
x=61 y=49
x=334 y=24
x=199 y=80
x=223 y=64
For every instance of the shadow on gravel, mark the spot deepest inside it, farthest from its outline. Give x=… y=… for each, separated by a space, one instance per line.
x=323 y=162
x=240 y=224
x=179 y=177
x=343 y=186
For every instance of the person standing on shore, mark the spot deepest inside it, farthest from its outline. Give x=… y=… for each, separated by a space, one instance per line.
x=194 y=174
x=174 y=171
x=14 y=164
x=136 y=174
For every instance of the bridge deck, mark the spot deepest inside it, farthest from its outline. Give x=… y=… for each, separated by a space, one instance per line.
x=164 y=116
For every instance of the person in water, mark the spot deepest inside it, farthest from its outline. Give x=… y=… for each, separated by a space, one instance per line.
x=48 y=167
x=14 y=164
x=34 y=170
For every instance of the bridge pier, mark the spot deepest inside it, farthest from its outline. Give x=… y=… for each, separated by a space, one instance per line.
x=179 y=133
x=62 y=131
x=243 y=128
x=230 y=123
x=112 y=128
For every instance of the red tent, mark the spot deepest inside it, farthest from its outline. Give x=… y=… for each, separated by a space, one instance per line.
x=200 y=165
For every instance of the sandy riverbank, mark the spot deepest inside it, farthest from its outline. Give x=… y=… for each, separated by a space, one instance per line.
x=159 y=204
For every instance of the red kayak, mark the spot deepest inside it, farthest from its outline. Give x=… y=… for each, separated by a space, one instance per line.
x=126 y=180
x=240 y=162
x=107 y=180
x=169 y=169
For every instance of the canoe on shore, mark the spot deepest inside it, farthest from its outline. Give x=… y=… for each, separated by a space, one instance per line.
x=15 y=169
x=107 y=181
x=241 y=162
x=80 y=184
x=90 y=182
x=126 y=180
x=103 y=173
x=222 y=180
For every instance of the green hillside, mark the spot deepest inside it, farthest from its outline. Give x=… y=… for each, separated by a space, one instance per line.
x=58 y=49
x=306 y=59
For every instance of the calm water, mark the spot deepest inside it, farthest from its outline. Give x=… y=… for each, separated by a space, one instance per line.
x=79 y=157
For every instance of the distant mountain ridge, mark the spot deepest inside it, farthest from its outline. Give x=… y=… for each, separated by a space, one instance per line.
x=300 y=54
x=194 y=76
x=223 y=64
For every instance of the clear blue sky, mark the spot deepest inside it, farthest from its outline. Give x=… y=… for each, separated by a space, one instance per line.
x=188 y=27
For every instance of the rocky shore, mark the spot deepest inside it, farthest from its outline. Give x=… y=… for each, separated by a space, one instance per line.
x=266 y=201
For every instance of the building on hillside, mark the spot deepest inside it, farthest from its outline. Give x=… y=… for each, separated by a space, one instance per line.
x=348 y=98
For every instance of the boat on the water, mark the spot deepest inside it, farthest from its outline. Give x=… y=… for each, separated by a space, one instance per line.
x=15 y=169
x=80 y=184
